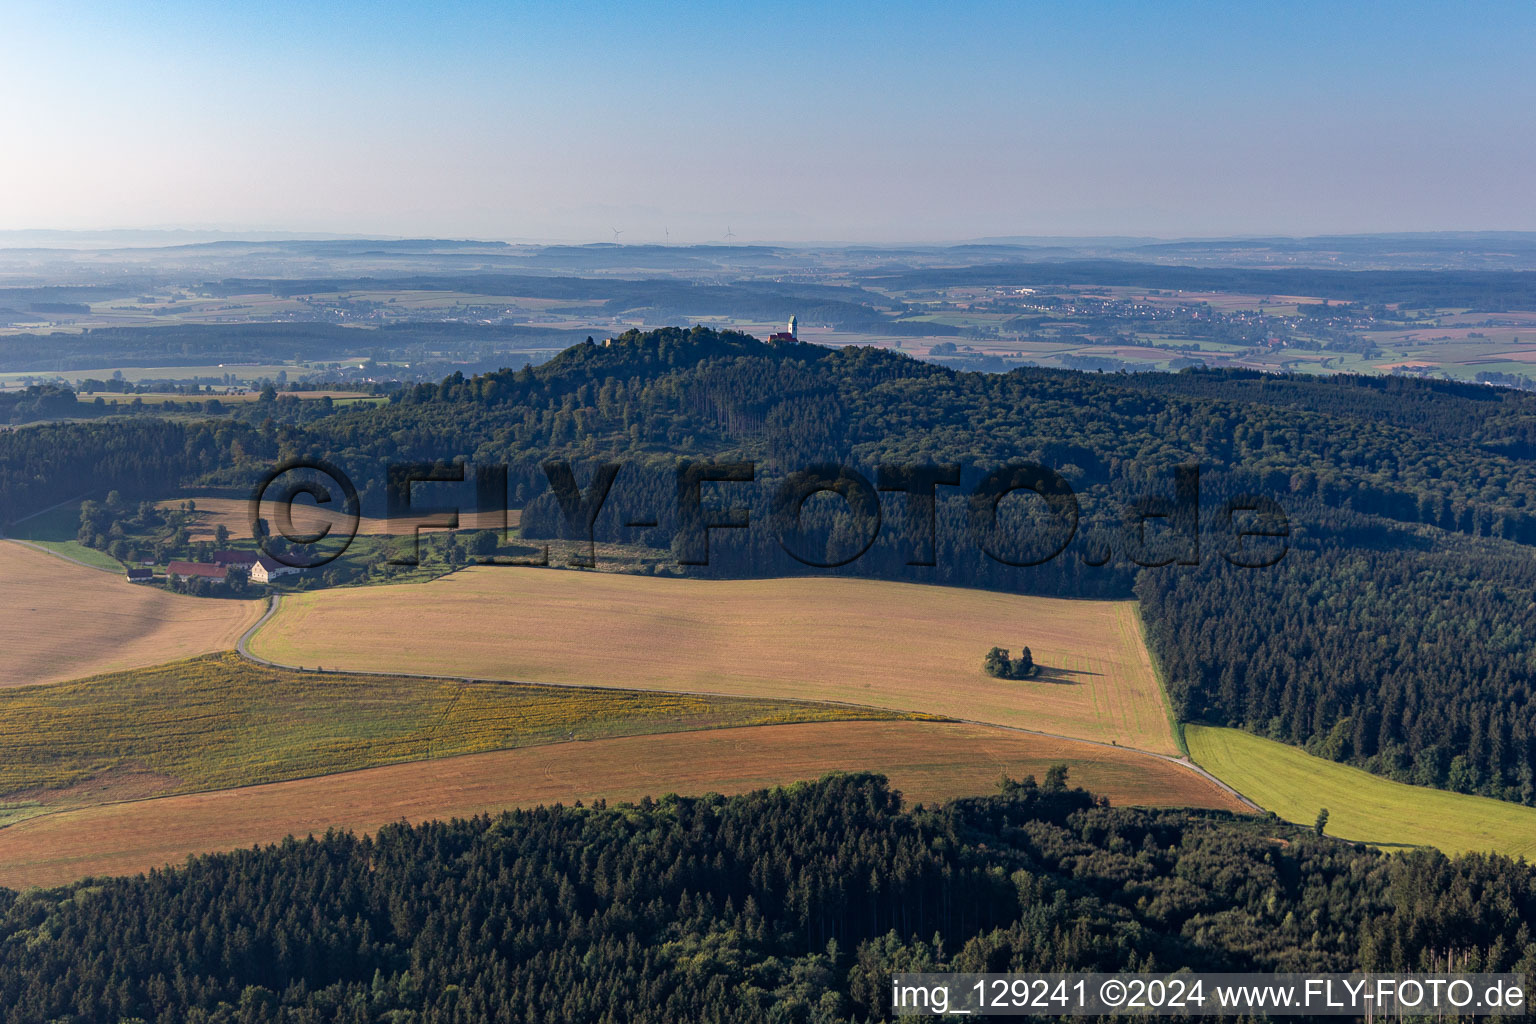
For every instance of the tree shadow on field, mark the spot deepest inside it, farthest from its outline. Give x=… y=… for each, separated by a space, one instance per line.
x=1059 y=676
x=1394 y=847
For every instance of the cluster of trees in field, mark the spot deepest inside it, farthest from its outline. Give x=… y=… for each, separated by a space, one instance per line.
x=1393 y=634
x=999 y=664
x=785 y=905
x=143 y=533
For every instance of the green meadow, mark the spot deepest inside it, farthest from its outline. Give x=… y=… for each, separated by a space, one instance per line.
x=1362 y=807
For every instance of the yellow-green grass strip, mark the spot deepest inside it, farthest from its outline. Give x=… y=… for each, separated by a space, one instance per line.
x=1361 y=807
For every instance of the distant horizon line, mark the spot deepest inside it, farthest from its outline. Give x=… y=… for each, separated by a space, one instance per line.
x=192 y=236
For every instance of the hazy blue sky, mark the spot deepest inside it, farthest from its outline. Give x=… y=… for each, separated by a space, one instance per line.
x=879 y=122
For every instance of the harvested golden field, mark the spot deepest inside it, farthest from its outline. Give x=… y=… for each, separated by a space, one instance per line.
x=892 y=645
x=220 y=721
x=235 y=514
x=60 y=621
x=927 y=761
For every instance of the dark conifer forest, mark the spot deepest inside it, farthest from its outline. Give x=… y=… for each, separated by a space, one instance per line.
x=785 y=905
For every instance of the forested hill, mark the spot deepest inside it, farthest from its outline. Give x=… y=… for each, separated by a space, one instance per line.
x=1392 y=443
x=1398 y=632
x=1450 y=456
x=785 y=905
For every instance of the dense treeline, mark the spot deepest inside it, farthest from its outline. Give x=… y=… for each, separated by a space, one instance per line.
x=141 y=457
x=681 y=393
x=1493 y=419
x=1393 y=635
x=786 y=905
x=46 y=402
x=1411 y=660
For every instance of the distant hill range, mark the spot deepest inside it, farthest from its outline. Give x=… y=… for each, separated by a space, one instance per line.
x=1450 y=243
x=1427 y=250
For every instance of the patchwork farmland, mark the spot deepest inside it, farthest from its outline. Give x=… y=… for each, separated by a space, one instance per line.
x=220 y=721
x=927 y=761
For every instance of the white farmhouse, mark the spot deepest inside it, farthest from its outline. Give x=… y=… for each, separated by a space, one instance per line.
x=268 y=569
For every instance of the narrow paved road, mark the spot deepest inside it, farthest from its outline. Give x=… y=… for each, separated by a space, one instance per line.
x=245 y=652
x=1182 y=762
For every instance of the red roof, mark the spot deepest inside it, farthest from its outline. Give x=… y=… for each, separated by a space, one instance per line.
x=213 y=572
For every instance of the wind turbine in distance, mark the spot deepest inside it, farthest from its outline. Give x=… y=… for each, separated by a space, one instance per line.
x=616 y=234
x=729 y=234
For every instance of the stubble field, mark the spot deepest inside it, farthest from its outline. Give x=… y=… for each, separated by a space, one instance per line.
x=927 y=761
x=899 y=646
x=62 y=621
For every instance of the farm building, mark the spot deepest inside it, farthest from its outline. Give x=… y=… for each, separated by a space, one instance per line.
x=232 y=558
x=187 y=570
x=268 y=569
x=141 y=575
